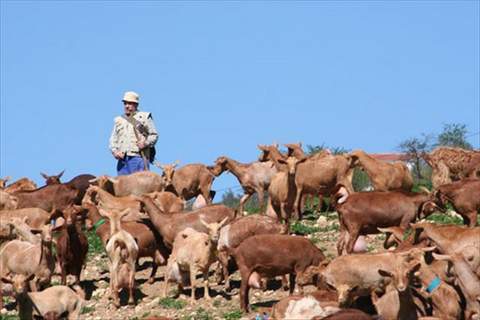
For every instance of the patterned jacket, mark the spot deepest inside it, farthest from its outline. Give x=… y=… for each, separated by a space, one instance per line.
x=123 y=135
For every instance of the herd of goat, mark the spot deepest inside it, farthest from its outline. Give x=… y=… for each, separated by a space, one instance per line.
x=428 y=271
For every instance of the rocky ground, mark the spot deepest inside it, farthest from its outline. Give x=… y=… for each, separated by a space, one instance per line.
x=322 y=231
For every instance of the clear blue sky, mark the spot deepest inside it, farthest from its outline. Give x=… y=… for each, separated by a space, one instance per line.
x=222 y=77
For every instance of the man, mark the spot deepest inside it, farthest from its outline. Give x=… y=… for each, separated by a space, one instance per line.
x=133 y=137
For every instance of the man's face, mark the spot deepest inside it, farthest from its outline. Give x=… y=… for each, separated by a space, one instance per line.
x=130 y=107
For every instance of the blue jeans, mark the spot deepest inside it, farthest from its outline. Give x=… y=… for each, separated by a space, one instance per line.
x=130 y=164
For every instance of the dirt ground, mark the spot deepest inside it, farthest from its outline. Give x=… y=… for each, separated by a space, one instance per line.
x=95 y=280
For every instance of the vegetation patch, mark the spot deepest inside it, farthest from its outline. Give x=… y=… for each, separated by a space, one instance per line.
x=171 y=303
x=86 y=309
x=445 y=219
x=232 y=315
x=95 y=244
x=303 y=229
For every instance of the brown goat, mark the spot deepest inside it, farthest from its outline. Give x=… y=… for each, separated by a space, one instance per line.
x=468 y=281
x=169 y=225
x=53 y=179
x=72 y=245
x=240 y=229
x=452 y=239
x=384 y=176
x=168 y=202
x=188 y=181
x=362 y=213
x=271 y=255
x=464 y=195
x=320 y=175
x=59 y=196
x=137 y=183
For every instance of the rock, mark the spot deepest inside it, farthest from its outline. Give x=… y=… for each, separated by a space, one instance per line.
x=322 y=222
x=154 y=302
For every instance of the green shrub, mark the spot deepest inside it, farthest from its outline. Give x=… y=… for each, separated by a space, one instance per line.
x=445 y=219
x=95 y=245
x=171 y=303
x=86 y=309
x=232 y=315
x=9 y=317
x=302 y=229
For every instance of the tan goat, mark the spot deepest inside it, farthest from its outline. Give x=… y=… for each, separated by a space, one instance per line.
x=54 y=300
x=23 y=257
x=193 y=251
x=283 y=190
x=122 y=251
x=384 y=176
x=254 y=177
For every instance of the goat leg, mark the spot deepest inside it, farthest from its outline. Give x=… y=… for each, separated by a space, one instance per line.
x=154 y=271
x=244 y=199
x=292 y=282
x=63 y=268
x=193 y=273
x=223 y=258
x=131 y=290
x=205 y=279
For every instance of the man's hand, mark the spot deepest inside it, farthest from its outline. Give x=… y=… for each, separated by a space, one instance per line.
x=118 y=155
x=141 y=144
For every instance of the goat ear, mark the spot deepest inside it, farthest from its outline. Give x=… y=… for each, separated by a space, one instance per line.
x=57 y=228
x=61 y=173
x=343 y=195
x=7 y=178
x=44 y=175
x=282 y=161
x=176 y=163
x=124 y=213
x=223 y=222
x=415 y=267
x=7 y=280
x=30 y=277
x=385 y=273
x=303 y=159
x=103 y=213
x=93 y=180
x=428 y=249
x=112 y=180
x=204 y=223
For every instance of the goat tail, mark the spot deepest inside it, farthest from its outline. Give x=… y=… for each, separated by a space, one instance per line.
x=123 y=248
x=79 y=291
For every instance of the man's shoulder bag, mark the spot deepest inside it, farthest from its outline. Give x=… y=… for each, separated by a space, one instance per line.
x=139 y=128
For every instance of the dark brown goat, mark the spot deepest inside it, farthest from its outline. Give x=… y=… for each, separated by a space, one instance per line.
x=59 y=196
x=72 y=245
x=273 y=255
x=53 y=179
x=464 y=195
